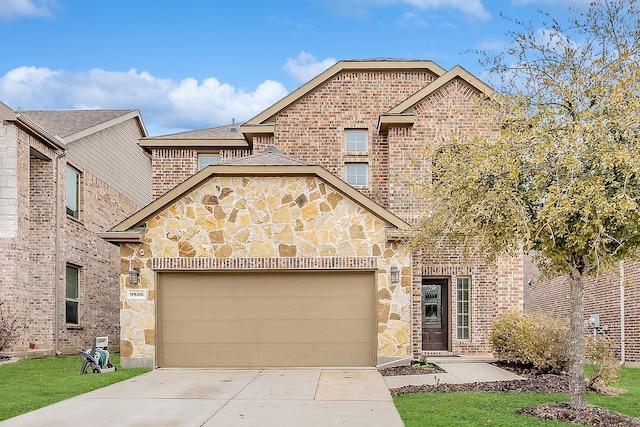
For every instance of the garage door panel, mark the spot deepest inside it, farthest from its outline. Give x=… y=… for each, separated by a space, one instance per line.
x=236 y=356
x=267 y=332
x=268 y=319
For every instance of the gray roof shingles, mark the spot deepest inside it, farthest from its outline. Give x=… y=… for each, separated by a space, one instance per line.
x=269 y=157
x=220 y=132
x=68 y=122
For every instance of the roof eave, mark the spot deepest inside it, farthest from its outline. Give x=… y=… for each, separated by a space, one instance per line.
x=102 y=126
x=251 y=131
x=117 y=237
x=192 y=142
x=455 y=72
x=385 y=121
x=338 y=67
x=54 y=140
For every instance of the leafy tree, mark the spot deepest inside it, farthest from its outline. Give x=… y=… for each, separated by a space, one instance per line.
x=560 y=174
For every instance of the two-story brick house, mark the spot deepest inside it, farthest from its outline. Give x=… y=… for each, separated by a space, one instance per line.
x=287 y=250
x=66 y=175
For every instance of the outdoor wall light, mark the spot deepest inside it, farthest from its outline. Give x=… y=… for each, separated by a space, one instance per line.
x=134 y=276
x=395 y=274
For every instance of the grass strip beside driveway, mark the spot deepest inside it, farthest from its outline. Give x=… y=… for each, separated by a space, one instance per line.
x=498 y=409
x=30 y=384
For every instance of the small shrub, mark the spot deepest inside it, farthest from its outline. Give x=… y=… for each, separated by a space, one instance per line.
x=600 y=351
x=8 y=327
x=537 y=341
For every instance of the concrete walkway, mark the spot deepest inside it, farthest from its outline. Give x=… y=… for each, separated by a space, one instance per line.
x=218 y=397
x=456 y=373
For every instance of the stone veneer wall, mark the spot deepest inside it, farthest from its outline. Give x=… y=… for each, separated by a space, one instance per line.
x=264 y=223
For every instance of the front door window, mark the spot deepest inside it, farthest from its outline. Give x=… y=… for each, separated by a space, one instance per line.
x=432 y=305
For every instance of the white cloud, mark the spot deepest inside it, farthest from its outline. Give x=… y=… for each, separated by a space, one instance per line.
x=412 y=19
x=471 y=8
x=306 y=66
x=13 y=9
x=166 y=105
x=492 y=45
x=553 y=2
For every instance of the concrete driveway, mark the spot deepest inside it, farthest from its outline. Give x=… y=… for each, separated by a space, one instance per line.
x=221 y=397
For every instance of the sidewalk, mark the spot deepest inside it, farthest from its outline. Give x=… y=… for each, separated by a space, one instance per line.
x=456 y=372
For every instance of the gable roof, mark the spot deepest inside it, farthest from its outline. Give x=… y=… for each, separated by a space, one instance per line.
x=75 y=124
x=220 y=136
x=269 y=157
x=403 y=115
x=269 y=163
x=8 y=114
x=263 y=122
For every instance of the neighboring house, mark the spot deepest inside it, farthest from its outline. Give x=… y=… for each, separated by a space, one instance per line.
x=66 y=175
x=613 y=298
x=286 y=250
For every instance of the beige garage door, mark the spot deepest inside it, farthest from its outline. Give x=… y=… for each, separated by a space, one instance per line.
x=266 y=319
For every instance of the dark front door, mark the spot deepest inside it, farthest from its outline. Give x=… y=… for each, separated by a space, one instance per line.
x=435 y=314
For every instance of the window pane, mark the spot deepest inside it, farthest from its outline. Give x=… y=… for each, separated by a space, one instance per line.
x=73 y=192
x=462 y=318
x=72 y=295
x=205 y=160
x=72 y=282
x=72 y=312
x=356 y=140
x=356 y=173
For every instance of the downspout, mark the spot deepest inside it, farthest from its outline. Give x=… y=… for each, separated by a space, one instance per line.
x=56 y=298
x=622 y=325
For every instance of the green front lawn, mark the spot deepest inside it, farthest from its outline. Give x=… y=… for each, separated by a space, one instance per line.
x=33 y=383
x=498 y=409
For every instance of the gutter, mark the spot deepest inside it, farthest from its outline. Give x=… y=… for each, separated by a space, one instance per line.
x=622 y=323
x=56 y=299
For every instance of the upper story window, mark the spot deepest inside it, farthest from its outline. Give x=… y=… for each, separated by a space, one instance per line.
x=73 y=192
x=356 y=140
x=205 y=160
x=356 y=173
x=71 y=296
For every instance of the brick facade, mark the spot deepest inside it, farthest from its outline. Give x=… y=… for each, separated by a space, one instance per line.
x=311 y=128
x=603 y=296
x=40 y=239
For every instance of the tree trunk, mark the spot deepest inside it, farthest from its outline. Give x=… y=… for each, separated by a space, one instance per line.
x=577 y=389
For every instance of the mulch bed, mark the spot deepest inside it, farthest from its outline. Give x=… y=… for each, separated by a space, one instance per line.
x=535 y=382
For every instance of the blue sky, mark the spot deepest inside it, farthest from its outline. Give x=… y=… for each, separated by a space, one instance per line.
x=199 y=63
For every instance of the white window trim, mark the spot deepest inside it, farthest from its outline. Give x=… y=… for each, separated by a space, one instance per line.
x=201 y=155
x=366 y=176
x=78 y=186
x=468 y=313
x=75 y=300
x=364 y=132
